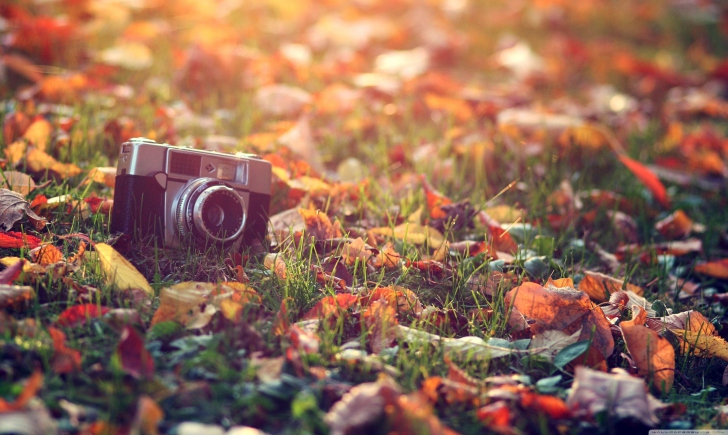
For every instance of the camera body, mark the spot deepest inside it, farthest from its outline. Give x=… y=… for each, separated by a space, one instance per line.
x=186 y=196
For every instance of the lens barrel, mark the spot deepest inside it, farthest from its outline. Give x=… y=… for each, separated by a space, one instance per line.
x=208 y=209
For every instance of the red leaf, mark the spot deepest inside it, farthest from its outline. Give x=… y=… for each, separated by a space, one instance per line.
x=135 y=359
x=77 y=315
x=16 y=239
x=648 y=178
x=65 y=360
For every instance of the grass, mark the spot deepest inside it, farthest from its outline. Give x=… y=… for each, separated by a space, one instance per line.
x=210 y=375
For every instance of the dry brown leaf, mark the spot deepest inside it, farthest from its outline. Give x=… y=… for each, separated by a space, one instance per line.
x=563 y=309
x=549 y=343
x=381 y=322
x=119 y=271
x=183 y=302
x=618 y=393
x=358 y=408
x=653 y=355
x=356 y=250
x=17 y=182
x=318 y=225
x=12 y=208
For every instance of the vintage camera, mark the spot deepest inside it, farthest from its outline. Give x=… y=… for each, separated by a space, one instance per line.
x=186 y=196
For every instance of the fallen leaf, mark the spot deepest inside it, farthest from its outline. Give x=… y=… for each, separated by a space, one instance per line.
x=707 y=346
x=30 y=389
x=716 y=269
x=653 y=355
x=65 y=360
x=549 y=343
x=331 y=306
x=355 y=251
x=40 y=161
x=14 y=296
x=12 y=208
x=119 y=271
x=405 y=300
x=675 y=226
x=38 y=133
x=648 y=178
x=360 y=407
x=617 y=393
x=17 y=182
x=16 y=239
x=79 y=314
x=183 y=302
x=465 y=347
x=381 y=322
x=599 y=286
x=148 y=416
x=318 y=225
x=135 y=358
x=46 y=255
x=563 y=309
x=12 y=272
x=413 y=233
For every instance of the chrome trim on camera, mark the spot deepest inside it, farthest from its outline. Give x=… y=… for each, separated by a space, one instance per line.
x=200 y=203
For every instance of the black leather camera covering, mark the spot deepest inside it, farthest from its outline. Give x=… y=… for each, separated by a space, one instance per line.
x=138 y=206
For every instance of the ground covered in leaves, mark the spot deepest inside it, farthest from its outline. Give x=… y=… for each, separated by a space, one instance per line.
x=487 y=217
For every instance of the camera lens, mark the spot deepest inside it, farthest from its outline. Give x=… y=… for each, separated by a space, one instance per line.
x=209 y=209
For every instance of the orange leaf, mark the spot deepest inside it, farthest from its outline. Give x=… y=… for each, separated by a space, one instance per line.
x=32 y=385
x=716 y=269
x=381 y=320
x=599 y=286
x=653 y=355
x=46 y=254
x=318 y=225
x=331 y=306
x=552 y=406
x=675 y=226
x=435 y=200
x=648 y=178
x=563 y=309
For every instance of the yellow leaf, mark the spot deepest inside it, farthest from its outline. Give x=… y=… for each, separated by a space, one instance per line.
x=119 y=271
x=15 y=151
x=705 y=345
x=413 y=233
x=39 y=133
x=39 y=161
x=104 y=175
x=504 y=213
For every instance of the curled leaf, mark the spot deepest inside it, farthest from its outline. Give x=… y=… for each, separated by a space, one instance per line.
x=12 y=208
